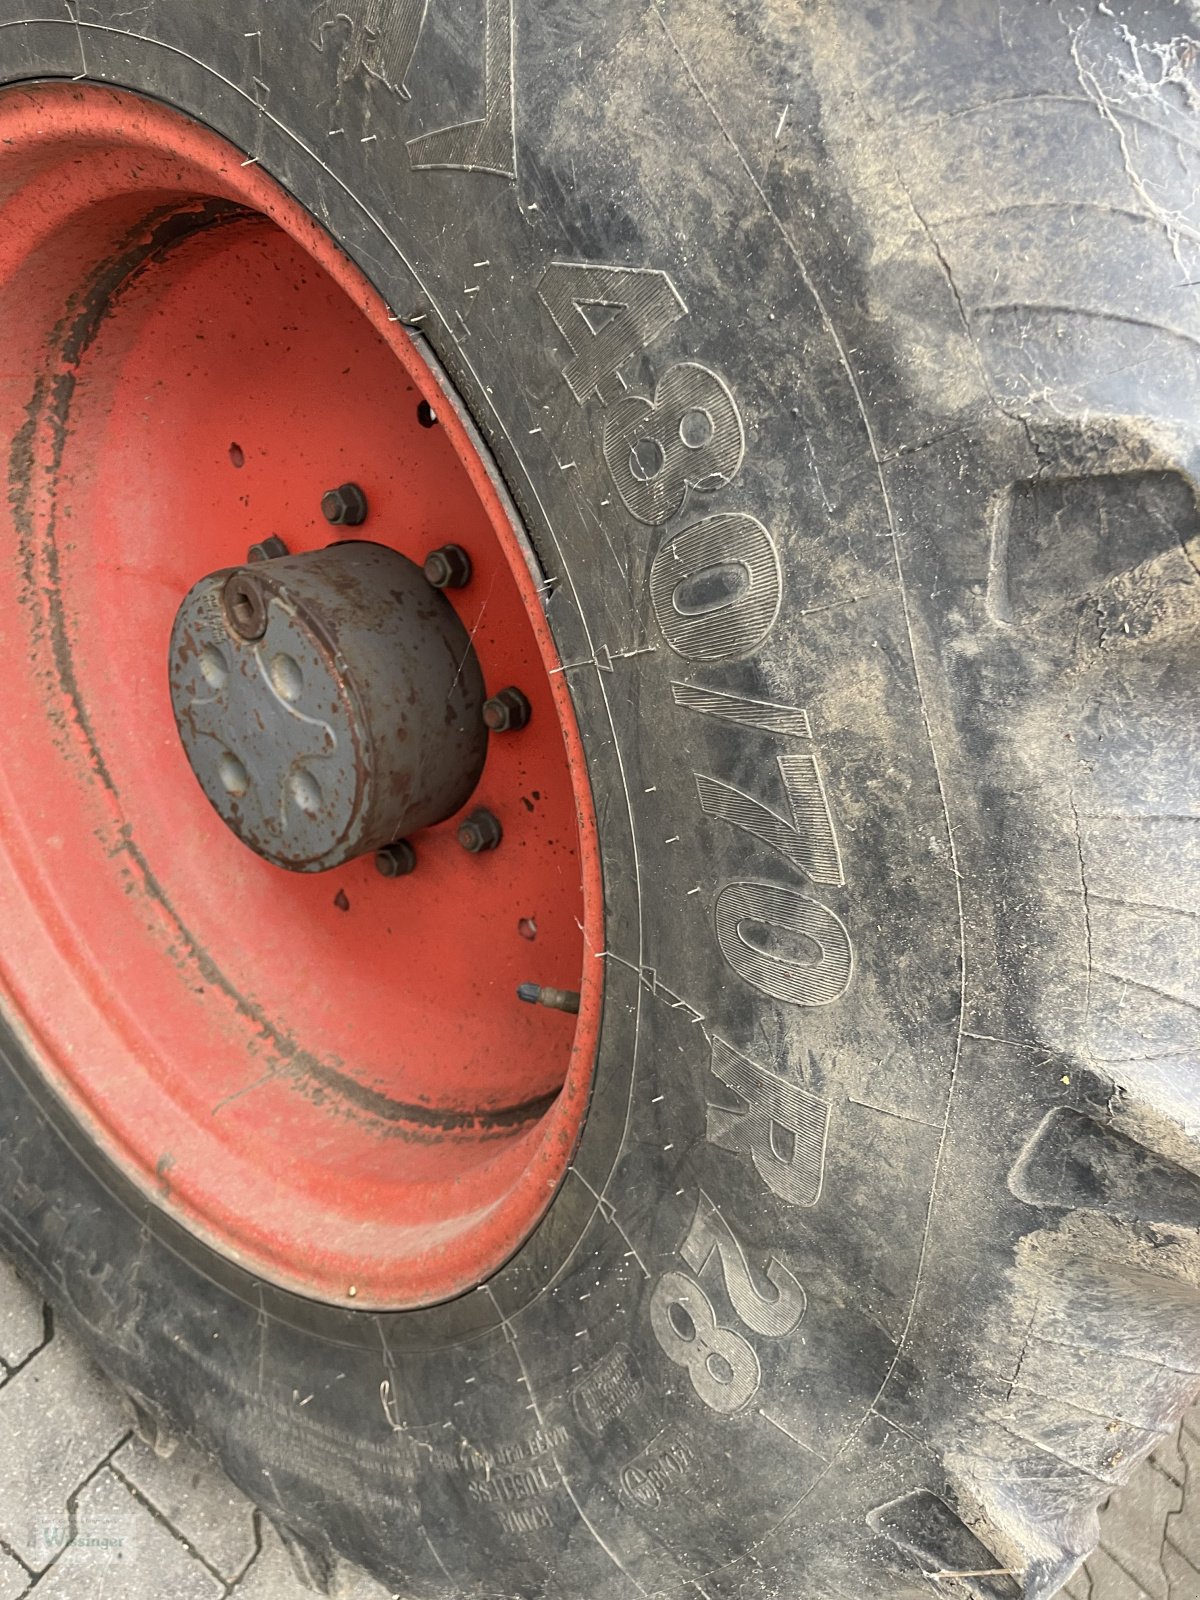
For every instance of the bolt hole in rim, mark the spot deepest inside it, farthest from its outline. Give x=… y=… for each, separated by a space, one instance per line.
x=328 y=1076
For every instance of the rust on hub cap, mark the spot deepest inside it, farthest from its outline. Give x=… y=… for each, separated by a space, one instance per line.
x=329 y=705
x=352 y=1101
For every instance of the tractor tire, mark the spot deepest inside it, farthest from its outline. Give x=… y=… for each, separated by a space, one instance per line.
x=838 y=363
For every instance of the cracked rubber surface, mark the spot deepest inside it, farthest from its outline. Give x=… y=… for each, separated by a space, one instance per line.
x=877 y=1270
x=183 y=1518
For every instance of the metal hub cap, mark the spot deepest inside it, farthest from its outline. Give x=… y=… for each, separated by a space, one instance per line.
x=329 y=703
x=265 y=606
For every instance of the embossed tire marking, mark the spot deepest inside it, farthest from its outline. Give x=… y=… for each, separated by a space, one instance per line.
x=840 y=361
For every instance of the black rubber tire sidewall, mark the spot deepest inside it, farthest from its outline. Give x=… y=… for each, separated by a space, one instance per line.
x=536 y=1436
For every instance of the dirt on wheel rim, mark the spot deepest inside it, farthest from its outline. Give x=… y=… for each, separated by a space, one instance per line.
x=331 y=1076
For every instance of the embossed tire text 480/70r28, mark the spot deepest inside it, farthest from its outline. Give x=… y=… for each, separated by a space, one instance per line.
x=599 y=829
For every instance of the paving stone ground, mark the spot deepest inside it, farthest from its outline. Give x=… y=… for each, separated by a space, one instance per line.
x=1150 y=1535
x=89 y=1512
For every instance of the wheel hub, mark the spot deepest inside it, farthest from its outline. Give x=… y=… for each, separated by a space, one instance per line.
x=328 y=703
x=329 y=1076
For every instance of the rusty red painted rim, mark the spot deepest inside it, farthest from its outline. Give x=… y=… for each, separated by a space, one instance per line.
x=327 y=1077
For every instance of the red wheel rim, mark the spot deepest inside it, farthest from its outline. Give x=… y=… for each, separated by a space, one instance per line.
x=328 y=1077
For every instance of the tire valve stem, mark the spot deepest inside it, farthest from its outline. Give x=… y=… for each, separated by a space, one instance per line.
x=557 y=999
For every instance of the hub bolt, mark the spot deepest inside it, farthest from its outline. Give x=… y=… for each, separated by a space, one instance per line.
x=448 y=567
x=506 y=711
x=245 y=607
x=268 y=549
x=396 y=860
x=480 y=831
x=345 y=506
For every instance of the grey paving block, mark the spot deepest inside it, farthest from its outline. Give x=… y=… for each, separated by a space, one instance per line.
x=196 y=1499
x=1134 y=1537
x=1111 y=1579
x=21 y=1320
x=271 y=1577
x=120 y=1549
x=58 y=1418
x=1181 y=1572
x=1183 y=1527
x=1150 y=1530
x=14 y=1579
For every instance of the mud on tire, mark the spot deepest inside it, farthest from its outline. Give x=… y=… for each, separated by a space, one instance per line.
x=841 y=364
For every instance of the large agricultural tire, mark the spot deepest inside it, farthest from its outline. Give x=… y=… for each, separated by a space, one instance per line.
x=839 y=363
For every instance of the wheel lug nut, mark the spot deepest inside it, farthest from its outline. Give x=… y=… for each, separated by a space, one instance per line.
x=448 y=567
x=345 y=506
x=396 y=860
x=507 y=711
x=245 y=607
x=268 y=549
x=480 y=831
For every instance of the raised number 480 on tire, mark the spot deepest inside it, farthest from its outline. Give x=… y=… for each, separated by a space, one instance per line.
x=598 y=827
